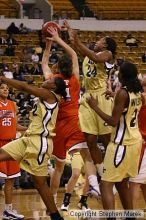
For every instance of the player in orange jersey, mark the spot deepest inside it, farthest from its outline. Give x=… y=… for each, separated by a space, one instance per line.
x=68 y=135
x=8 y=126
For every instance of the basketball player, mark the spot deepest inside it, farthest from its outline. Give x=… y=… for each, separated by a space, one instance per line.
x=68 y=135
x=139 y=181
x=125 y=137
x=8 y=169
x=33 y=150
x=96 y=67
x=77 y=164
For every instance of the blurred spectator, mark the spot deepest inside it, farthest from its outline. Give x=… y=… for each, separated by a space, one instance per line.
x=1 y=51
x=28 y=48
x=2 y=40
x=15 y=66
x=10 y=40
x=4 y=66
x=15 y=71
x=26 y=55
x=36 y=69
x=23 y=29
x=131 y=41
x=10 y=51
x=53 y=57
x=8 y=74
x=38 y=49
x=34 y=57
x=24 y=69
x=144 y=57
x=12 y=29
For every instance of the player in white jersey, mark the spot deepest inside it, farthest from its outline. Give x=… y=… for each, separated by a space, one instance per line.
x=125 y=140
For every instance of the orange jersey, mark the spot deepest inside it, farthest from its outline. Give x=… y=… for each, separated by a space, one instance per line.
x=70 y=106
x=8 y=122
x=142 y=121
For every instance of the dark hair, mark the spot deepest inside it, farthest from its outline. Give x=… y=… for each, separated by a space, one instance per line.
x=60 y=87
x=2 y=82
x=111 y=45
x=65 y=65
x=129 y=74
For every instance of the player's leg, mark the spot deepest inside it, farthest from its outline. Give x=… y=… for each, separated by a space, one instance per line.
x=124 y=193
x=90 y=170
x=134 y=193
x=56 y=176
x=94 y=150
x=47 y=197
x=82 y=204
x=70 y=187
x=107 y=195
x=143 y=187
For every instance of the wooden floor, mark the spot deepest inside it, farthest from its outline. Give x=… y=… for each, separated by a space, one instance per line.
x=28 y=203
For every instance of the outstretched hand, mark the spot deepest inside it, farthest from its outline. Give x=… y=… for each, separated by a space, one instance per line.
x=108 y=94
x=54 y=33
x=72 y=33
x=92 y=102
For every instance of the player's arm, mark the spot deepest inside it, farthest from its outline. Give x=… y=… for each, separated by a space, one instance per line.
x=45 y=60
x=30 y=89
x=85 y=51
x=67 y=48
x=121 y=101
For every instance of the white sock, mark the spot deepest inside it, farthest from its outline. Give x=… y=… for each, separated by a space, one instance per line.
x=8 y=206
x=99 y=168
x=93 y=181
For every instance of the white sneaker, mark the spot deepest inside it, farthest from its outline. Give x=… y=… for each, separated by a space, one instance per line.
x=64 y=207
x=12 y=214
x=95 y=192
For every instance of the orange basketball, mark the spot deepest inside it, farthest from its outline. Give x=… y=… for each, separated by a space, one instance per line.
x=47 y=25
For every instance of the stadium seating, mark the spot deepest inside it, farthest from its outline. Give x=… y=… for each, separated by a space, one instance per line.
x=7 y=9
x=122 y=9
x=64 y=9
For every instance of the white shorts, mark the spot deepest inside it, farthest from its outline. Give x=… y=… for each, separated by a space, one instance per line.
x=141 y=177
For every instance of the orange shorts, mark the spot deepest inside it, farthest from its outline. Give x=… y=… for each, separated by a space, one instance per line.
x=68 y=136
x=8 y=169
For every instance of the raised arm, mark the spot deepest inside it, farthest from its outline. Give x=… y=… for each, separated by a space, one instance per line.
x=38 y=92
x=68 y=49
x=45 y=60
x=85 y=51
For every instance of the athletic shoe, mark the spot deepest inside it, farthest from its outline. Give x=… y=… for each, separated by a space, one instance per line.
x=95 y=192
x=12 y=214
x=83 y=206
x=64 y=207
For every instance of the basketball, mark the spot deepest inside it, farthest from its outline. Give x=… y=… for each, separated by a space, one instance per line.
x=47 y=25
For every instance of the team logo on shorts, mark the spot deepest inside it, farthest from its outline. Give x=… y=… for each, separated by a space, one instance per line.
x=104 y=170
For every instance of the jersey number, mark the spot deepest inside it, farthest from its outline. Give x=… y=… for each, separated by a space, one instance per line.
x=34 y=110
x=91 y=72
x=134 y=119
x=6 y=122
x=68 y=96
